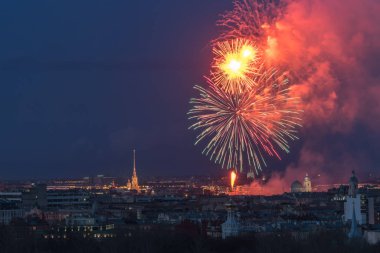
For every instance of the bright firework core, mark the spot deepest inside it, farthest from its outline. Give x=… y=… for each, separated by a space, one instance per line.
x=233 y=65
x=237 y=64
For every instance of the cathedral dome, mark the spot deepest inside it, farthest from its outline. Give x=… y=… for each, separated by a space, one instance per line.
x=296 y=186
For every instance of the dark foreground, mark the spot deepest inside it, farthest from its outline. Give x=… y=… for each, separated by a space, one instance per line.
x=168 y=242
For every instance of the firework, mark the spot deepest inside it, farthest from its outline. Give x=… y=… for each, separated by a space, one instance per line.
x=247 y=112
x=249 y=19
x=232 y=179
x=240 y=127
x=234 y=64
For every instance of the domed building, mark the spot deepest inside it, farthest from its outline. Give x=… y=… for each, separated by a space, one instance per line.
x=296 y=186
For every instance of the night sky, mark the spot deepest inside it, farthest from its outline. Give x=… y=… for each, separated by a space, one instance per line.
x=85 y=82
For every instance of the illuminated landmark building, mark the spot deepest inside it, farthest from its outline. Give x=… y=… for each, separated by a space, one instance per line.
x=307 y=184
x=134 y=183
x=297 y=186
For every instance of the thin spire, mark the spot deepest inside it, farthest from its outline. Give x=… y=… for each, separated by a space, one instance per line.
x=134 y=159
x=134 y=181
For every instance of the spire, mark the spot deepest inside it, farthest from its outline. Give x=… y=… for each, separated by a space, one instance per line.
x=134 y=158
x=135 y=181
x=354 y=232
x=134 y=162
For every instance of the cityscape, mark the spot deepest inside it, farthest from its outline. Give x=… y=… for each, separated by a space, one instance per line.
x=218 y=126
x=105 y=208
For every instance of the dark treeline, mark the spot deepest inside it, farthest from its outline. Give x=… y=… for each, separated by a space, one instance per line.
x=170 y=242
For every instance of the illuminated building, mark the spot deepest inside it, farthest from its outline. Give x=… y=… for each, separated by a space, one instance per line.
x=297 y=186
x=307 y=184
x=135 y=181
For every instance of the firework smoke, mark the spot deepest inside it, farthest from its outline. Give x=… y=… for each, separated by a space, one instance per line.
x=332 y=51
x=332 y=63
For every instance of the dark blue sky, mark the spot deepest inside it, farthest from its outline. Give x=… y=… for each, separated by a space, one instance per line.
x=83 y=82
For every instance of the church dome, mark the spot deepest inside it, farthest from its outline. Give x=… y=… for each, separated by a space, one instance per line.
x=296 y=186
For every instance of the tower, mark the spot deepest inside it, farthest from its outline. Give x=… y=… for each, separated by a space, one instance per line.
x=135 y=181
x=307 y=183
x=353 y=186
x=354 y=231
x=352 y=205
x=231 y=227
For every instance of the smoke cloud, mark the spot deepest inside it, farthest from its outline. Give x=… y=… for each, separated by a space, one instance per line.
x=333 y=47
x=332 y=50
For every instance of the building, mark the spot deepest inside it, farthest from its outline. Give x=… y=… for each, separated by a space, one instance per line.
x=80 y=220
x=9 y=211
x=129 y=185
x=68 y=198
x=135 y=181
x=231 y=227
x=353 y=203
x=307 y=184
x=34 y=197
x=296 y=187
x=15 y=197
x=354 y=230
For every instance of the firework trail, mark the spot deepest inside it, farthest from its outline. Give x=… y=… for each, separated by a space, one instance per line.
x=240 y=127
x=249 y=19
